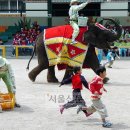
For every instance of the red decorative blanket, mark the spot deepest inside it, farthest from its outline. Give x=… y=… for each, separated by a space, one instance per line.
x=59 y=50
x=64 y=31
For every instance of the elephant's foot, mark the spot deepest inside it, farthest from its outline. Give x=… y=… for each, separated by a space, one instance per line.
x=31 y=77
x=52 y=80
x=105 y=80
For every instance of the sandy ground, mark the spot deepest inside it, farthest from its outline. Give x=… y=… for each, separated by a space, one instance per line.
x=40 y=101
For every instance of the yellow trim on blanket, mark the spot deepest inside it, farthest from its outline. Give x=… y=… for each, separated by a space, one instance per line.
x=63 y=56
x=63 y=40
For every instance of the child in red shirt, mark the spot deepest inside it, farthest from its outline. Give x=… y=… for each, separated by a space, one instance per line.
x=77 y=80
x=96 y=88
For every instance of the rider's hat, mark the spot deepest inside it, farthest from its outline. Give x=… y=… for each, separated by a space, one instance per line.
x=73 y=1
x=2 y=61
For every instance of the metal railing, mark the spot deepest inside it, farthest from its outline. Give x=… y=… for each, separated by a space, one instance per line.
x=3 y=49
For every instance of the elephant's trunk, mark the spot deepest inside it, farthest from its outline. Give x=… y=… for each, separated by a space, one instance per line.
x=118 y=28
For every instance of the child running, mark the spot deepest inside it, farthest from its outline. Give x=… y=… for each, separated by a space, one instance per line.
x=77 y=80
x=112 y=54
x=96 y=88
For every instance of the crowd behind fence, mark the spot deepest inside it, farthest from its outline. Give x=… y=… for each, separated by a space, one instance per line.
x=24 y=40
x=123 y=50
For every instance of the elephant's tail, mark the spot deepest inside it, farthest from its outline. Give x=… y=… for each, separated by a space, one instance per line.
x=31 y=57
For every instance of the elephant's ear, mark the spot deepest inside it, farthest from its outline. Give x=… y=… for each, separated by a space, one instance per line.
x=91 y=59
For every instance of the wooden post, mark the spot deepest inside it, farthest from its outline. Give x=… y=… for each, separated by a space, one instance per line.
x=16 y=51
x=3 y=51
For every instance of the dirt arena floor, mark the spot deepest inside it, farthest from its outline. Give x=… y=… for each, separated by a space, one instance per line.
x=40 y=101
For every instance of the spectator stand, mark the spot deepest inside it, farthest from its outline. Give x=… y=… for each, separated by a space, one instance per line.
x=26 y=37
x=20 y=39
x=7 y=33
x=124 y=47
x=124 y=43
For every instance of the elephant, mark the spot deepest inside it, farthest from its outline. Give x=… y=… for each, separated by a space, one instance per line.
x=94 y=37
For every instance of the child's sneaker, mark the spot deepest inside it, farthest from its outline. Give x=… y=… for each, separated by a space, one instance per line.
x=107 y=124
x=61 y=109
x=80 y=109
x=87 y=114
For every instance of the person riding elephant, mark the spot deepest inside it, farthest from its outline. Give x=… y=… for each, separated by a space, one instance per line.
x=7 y=75
x=73 y=14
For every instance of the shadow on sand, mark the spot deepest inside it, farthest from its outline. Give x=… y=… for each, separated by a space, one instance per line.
x=96 y=121
x=23 y=109
x=46 y=83
x=119 y=84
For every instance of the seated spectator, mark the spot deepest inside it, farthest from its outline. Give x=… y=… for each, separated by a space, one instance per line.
x=27 y=37
x=38 y=32
x=26 y=31
x=127 y=36
x=16 y=41
x=31 y=40
x=23 y=41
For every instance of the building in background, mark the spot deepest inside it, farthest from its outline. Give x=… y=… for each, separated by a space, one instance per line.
x=11 y=7
x=38 y=10
x=60 y=7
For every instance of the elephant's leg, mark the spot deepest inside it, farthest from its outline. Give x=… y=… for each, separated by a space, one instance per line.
x=51 y=75
x=42 y=58
x=33 y=74
x=68 y=72
x=91 y=61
